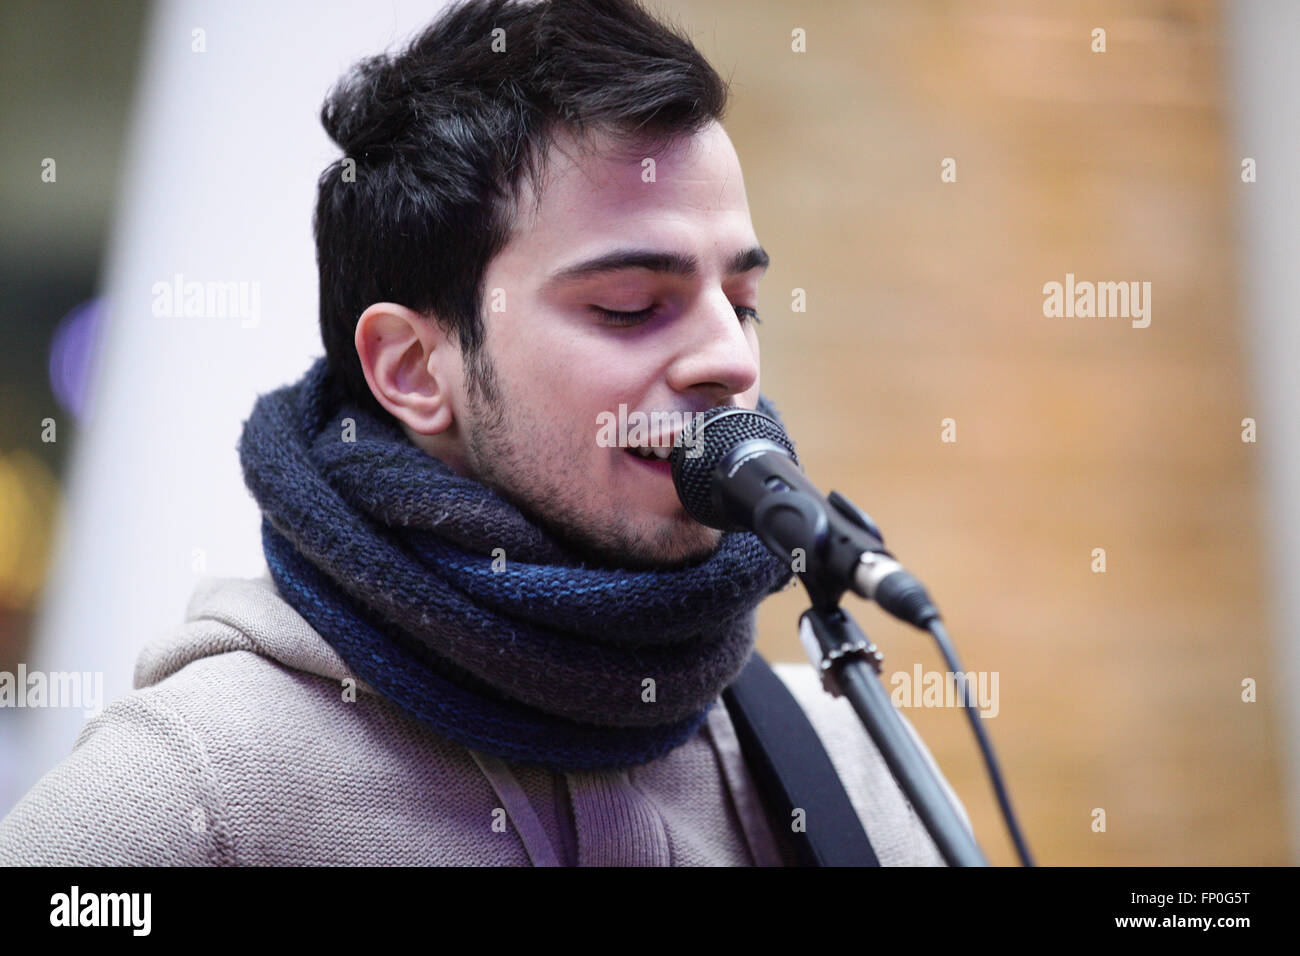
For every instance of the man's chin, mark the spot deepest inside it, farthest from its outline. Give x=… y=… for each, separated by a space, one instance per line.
x=678 y=542
x=692 y=545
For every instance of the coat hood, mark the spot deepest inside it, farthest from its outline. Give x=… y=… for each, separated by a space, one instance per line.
x=228 y=614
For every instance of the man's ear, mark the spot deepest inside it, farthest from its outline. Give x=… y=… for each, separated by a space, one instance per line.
x=411 y=364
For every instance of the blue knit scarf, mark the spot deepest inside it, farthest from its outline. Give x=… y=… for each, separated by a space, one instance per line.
x=389 y=555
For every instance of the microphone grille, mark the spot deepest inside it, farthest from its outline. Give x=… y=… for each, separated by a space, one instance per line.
x=704 y=442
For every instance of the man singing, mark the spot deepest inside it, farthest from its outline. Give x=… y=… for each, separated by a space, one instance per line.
x=485 y=636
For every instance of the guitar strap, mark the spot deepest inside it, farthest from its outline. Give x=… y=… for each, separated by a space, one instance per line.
x=794 y=773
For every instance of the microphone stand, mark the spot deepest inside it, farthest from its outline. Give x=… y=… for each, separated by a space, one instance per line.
x=848 y=662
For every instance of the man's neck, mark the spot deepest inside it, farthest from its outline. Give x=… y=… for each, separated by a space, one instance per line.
x=445 y=446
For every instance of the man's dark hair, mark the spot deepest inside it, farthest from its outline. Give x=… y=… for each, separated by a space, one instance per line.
x=443 y=132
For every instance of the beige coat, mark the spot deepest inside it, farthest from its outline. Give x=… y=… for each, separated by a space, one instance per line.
x=241 y=745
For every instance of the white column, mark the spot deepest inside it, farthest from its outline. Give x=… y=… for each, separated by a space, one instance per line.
x=1264 y=74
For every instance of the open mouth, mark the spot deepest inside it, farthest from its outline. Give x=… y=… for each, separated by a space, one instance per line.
x=651 y=457
x=650 y=452
x=653 y=450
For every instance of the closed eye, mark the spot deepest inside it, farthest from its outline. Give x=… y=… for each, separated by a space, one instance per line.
x=635 y=318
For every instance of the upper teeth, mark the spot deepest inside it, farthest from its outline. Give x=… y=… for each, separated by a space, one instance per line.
x=653 y=451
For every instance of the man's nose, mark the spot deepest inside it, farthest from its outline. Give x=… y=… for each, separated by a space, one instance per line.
x=715 y=354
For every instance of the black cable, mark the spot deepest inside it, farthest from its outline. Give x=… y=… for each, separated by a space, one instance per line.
x=940 y=634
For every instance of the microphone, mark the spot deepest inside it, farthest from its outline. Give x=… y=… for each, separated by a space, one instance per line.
x=736 y=470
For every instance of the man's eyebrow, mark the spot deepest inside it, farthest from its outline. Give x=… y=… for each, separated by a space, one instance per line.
x=672 y=263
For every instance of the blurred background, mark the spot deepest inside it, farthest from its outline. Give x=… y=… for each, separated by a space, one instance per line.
x=921 y=170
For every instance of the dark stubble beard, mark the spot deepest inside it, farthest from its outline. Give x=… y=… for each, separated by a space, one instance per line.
x=511 y=470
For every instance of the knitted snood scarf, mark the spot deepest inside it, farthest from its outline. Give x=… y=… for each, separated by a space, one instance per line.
x=389 y=555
